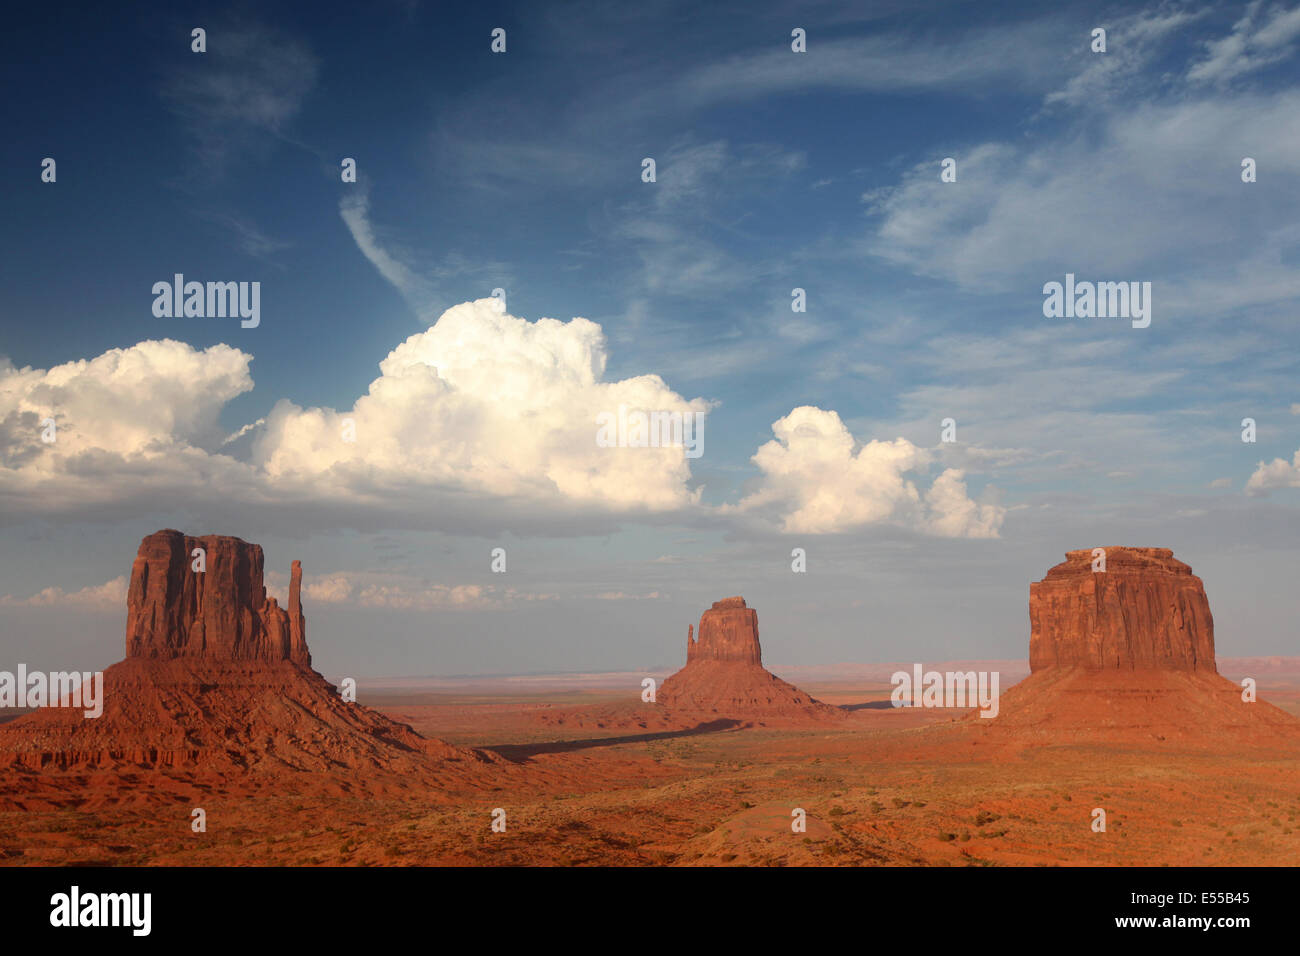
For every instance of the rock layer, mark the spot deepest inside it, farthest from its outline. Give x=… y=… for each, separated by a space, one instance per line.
x=1146 y=610
x=221 y=612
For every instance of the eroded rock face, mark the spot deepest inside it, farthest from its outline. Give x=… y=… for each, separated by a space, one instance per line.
x=728 y=632
x=220 y=613
x=1145 y=611
x=724 y=673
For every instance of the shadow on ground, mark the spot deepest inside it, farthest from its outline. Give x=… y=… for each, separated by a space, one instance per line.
x=519 y=753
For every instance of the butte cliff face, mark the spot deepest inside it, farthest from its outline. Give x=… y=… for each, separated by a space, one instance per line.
x=221 y=612
x=724 y=673
x=1146 y=610
x=728 y=632
x=217 y=680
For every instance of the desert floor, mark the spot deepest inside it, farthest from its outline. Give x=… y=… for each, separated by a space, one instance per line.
x=885 y=787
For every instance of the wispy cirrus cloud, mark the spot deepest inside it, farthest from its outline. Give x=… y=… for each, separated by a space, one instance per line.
x=1019 y=56
x=1266 y=34
x=354 y=208
x=251 y=82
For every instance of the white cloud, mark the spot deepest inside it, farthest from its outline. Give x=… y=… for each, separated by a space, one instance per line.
x=111 y=595
x=1131 y=43
x=1011 y=55
x=1261 y=38
x=140 y=400
x=677 y=230
x=354 y=208
x=436 y=597
x=482 y=406
x=818 y=479
x=482 y=414
x=127 y=423
x=398 y=592
x=489 y=404
x=1128 y=195
x=1278 y=473
x=330 y=589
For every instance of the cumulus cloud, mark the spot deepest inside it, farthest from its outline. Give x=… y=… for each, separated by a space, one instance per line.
x=330 y=589
x=131 y=401
x=481 y=407
x=336 y=588
x=482 y=413
x=126 y=422
x=1278 y=473
x=488 y=403
x=818 y=479
x=111 y=595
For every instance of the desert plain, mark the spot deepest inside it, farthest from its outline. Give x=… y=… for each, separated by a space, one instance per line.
x=216 y=708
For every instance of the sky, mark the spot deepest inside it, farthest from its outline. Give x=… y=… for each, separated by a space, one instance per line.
x=504 y=270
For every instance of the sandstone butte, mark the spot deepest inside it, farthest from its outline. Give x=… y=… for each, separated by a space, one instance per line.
x=1145 y=610
x=218 y=680
x=1128 y=652
x=724 y=673
x=223 y=613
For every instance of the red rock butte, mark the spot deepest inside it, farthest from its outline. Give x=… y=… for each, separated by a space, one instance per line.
x=728 y=632
x=218 y=680
x=223 y=612
x=1127 y=653
x=724 y=673
x=1146 y=610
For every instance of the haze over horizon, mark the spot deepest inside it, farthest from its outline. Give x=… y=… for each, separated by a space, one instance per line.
x=522 y=171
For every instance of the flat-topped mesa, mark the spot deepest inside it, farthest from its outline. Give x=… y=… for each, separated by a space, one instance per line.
x=728 y=632
x=1146 y=610
x=221 y=612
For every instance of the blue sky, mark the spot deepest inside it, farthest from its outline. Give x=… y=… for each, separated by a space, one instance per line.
x=775 y=170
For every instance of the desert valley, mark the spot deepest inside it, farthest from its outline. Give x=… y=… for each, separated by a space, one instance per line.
x=216 y=709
